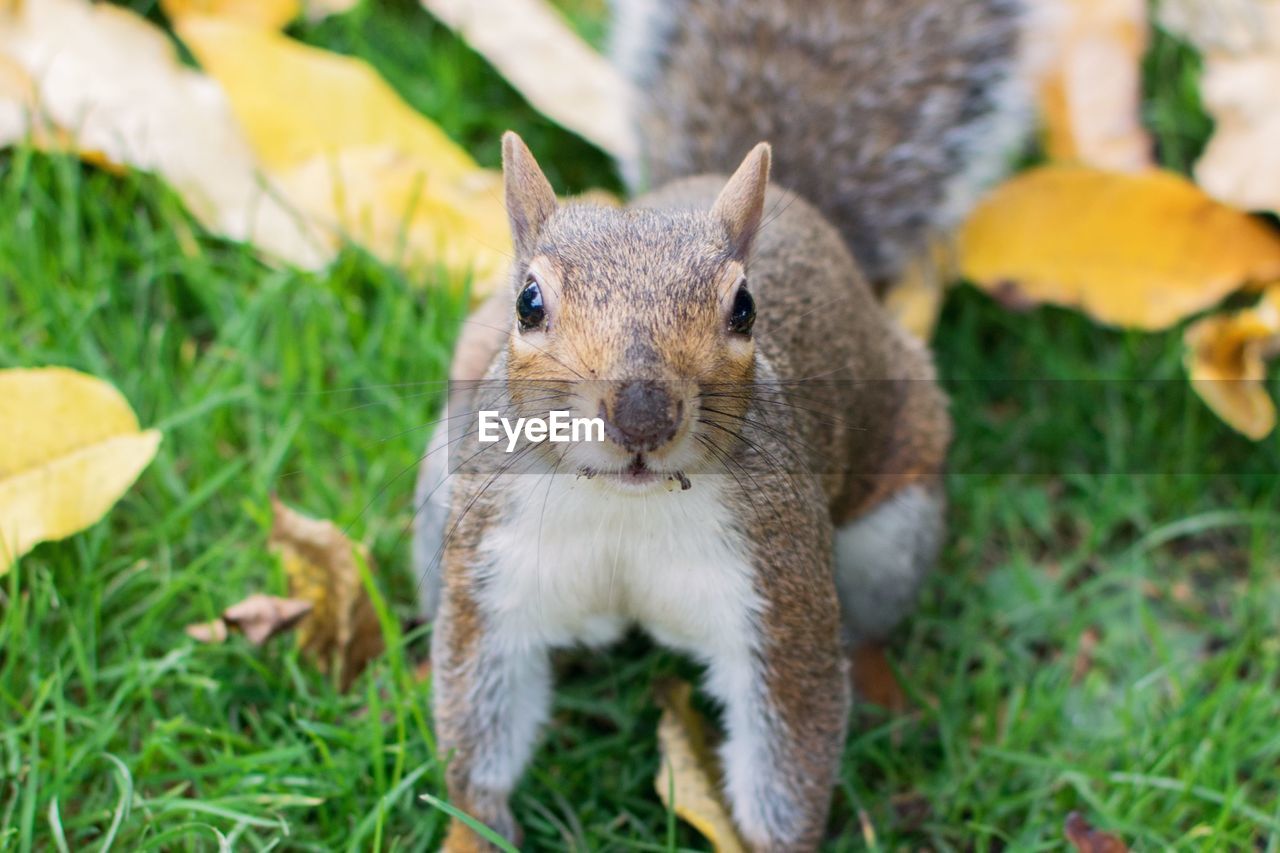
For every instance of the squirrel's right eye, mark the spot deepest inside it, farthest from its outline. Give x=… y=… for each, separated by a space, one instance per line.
x=743 y=314
x=530 y=310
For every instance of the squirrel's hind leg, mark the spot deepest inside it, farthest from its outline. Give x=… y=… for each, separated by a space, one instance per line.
x=883 y=557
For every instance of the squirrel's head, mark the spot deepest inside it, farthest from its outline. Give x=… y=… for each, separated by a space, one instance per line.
x=638 y=316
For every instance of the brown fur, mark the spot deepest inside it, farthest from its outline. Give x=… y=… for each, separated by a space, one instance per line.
x=642 y=292
x=881 y=112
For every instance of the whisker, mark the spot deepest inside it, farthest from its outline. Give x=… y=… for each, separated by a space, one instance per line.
x=511 y=334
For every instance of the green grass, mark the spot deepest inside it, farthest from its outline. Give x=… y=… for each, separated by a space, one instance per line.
x=1118 y=512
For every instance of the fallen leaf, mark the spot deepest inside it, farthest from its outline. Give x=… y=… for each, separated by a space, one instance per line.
x=915 y=299
x=208 y=632
x=313 y=149
x=342 y=633
x=1226 y=359
x=271 y=14
x=1086 y=839
x=1090 y=81
x=316 y=10
x=1141 y=250
x=149 y=113
x=261 y=617
x=1083 y=661
x=874 y=680
x=351 y=155
x=70 y=446
x=1240 y=86
x=912 y=809
x=422 y=670
x=688 y=771
x=571 y=83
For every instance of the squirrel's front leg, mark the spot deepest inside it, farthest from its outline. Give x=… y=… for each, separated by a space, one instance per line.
x=491 y=697
x=786 y=707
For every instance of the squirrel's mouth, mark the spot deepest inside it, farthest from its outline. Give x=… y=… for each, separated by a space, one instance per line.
x=638 y=474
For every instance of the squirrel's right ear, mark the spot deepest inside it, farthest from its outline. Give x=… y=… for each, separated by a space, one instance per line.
x=740 y=204
x=530 y=199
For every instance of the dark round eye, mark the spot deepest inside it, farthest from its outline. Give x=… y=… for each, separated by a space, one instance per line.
x=529 y=308
x=743 y=314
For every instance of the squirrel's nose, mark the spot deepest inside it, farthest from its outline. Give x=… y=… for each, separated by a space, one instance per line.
x=642 y=417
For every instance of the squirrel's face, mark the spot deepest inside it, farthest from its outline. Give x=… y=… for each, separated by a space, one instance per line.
x=641 y=318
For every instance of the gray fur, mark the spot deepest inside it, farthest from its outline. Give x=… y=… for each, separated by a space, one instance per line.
x=431 y=499
x=883 y=558
x=882 y=113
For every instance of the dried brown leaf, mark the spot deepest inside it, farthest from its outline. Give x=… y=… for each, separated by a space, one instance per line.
x=342 y=633
x=874 y=680
x=261 y=617
x=1086 y=839
x=208 y=632
x=1083 y=661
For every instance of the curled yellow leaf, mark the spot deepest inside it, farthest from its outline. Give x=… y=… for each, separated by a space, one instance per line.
x=271 y=14
x=1142 y=250
x=349 y=154
x=570 y=83
x=688 y=777
x=1239 y=41
x=915 y=298
x=1090 y=77
x=104 y=82
x=1226 y=359
x=70 y=446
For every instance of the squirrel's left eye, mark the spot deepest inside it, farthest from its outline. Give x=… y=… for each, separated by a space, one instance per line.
x=742 y=316
x=530 y=310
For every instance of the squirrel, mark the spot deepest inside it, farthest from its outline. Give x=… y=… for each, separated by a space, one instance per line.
x=766 y=491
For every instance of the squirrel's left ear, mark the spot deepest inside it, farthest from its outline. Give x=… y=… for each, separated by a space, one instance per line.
x=740 y=204
x=530 y=199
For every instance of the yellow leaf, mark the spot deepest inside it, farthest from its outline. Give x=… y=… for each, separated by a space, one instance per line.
x=270 y=14
x=571 y=83
x=327 y=152
x=349 y=153
x=1226 y=358
x=1139 y=250
x=106 y=83
x=1240 y=87
x=1090 y=80
x=915 y=299
x=70 y=446
x=387 y=201
x=688 y=770
x=341 y=634
x=318 y=9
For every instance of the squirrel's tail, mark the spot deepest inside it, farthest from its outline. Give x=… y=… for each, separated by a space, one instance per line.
x=887 y=115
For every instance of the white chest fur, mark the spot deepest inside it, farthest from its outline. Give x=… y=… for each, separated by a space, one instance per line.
x=572 y=561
